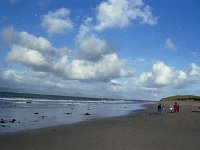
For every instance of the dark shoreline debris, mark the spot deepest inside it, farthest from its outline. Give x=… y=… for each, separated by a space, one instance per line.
x=87 y=113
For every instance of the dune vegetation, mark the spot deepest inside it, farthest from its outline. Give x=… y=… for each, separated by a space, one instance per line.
x=182 y=98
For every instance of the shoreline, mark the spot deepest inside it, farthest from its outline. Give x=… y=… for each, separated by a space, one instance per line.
x=30 y=116
x=77 y=116
x=27 y=131
x=139 y=130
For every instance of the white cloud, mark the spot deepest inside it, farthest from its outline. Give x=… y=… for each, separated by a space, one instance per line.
x=160 y=75
x=115 y=82
x=109 y=67
x=57 y=22
x=26 y=49
x=165 y=76
x=93 y=48
x=27 y=40
x=85 y=29
x=194 y=70
x=95 y=58
x=169 y=44
x=121 y=13
x=33 y=52
x=28 y=82
x=26 y=56
x=41 y=82
x=146 y=16
x=90 y=46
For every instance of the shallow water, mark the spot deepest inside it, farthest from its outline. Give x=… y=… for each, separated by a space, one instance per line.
x=32 y=113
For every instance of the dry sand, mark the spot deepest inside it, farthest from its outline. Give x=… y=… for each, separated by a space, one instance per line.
x=170 y=131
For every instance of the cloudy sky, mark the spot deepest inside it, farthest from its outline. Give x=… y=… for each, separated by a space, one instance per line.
x=133 y=49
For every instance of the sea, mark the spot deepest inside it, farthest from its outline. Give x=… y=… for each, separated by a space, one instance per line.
x=21 y=111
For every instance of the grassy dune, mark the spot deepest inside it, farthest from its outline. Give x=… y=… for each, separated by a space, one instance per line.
x=182 y=98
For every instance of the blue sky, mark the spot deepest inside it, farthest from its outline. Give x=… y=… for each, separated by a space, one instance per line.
x=133 y=49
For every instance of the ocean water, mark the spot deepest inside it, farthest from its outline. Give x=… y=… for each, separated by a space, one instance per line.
x=18 y=113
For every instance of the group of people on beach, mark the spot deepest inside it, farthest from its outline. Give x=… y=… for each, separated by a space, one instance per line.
x=173 y=108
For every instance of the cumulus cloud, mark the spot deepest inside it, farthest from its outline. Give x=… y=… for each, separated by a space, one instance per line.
x=27 y=81
x=121 y=13
x=33 y=52
x=90 y=46
x=160 y=75
x=95 y=58
x=26 y=49
x=28 y=57
x=109 y=67
x=166 y=76
x=57 y=22
x=169 y=44
x=42 y=82
x=27 y=40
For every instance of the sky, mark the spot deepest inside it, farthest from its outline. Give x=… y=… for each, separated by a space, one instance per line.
x=126 y=49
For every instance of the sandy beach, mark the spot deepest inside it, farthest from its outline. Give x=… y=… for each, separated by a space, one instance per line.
x=145 y=130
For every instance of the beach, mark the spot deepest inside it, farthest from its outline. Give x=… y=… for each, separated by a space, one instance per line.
x=143 y=130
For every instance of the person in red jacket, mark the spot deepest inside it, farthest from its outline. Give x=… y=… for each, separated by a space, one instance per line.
x=175 y=107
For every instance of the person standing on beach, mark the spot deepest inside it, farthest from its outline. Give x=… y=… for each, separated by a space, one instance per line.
x=175 y=107
x=159 y=108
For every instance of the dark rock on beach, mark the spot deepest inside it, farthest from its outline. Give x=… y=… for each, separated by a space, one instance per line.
x=3 y=121
x=68 y=113
x=87 y=113
x=13 y=121
x=44 y=117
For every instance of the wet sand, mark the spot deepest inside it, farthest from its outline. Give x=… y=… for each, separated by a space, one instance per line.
x=145 y=130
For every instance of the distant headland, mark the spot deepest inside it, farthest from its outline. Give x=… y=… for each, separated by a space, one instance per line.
x=182 y=98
